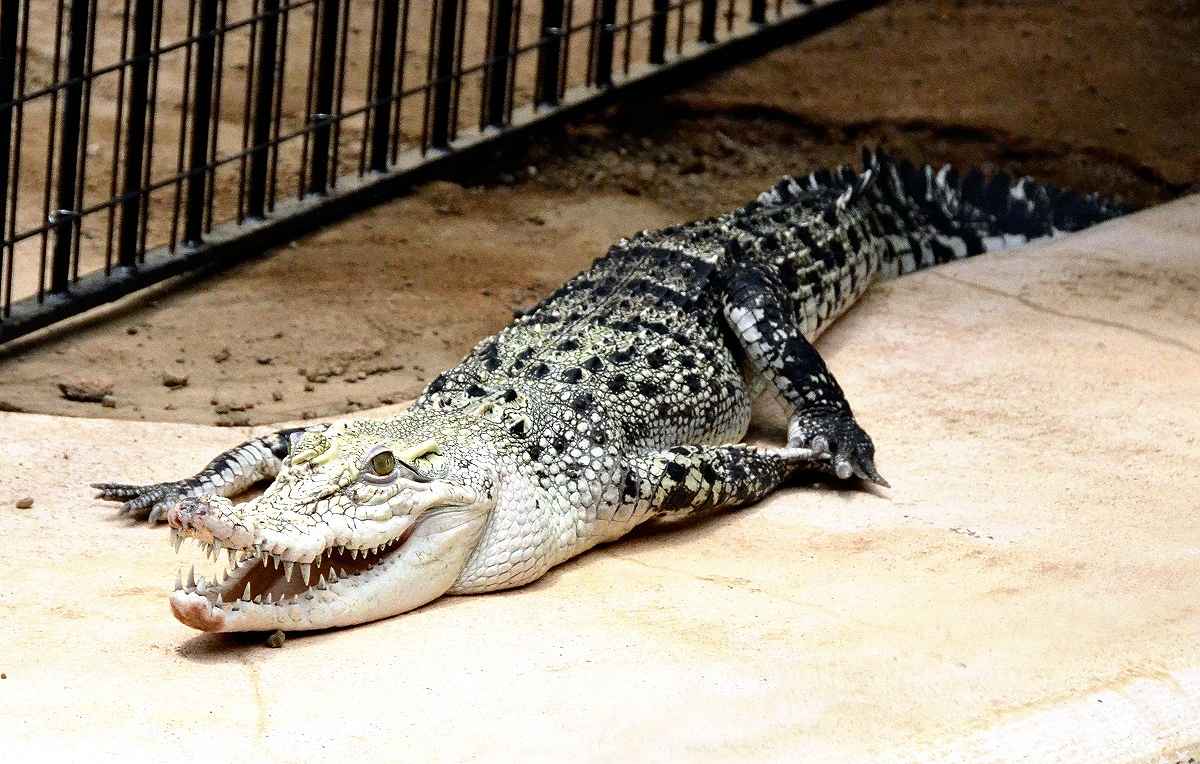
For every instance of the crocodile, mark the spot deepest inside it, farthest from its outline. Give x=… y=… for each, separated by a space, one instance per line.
x=622 y=398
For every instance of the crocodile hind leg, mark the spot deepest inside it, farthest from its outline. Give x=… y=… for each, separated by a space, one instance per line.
x=760 y=313
x=679 y=482
x=228 y=475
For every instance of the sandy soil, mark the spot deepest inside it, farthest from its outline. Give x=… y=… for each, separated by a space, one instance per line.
x=1026 y=592
x=366 y=312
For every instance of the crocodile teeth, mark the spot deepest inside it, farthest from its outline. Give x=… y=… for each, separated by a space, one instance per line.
x=246 y=594
x=258 y=600
x=287 y=571
x=178 y=579
x=332 y=576
x=305 y=573
x=192 y=577
x=342 y=572
x=266 y=560
x=321 y=582
x=232 y=555
x=353 y=554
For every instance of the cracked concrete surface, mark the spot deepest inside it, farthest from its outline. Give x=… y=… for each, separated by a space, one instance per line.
x=1026 y=591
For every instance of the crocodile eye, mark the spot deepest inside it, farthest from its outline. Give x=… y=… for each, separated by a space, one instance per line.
x=383 y=463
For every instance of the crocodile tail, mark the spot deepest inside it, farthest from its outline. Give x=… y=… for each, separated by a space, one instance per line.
x=928 y=216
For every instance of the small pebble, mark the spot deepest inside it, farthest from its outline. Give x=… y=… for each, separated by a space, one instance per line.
x=222 y=355
x=26 y=503
x=277 y=395
x=131 y=330
x=109 y=402
x=86 y=390
x=309 y=387
x=276 y=639
x=264 y=360
x=170 y=379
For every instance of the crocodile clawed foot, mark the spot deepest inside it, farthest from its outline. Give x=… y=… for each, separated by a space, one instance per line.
x=148 y=502
x=840 y=445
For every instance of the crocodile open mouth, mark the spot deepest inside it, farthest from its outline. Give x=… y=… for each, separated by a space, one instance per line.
x=263 y=578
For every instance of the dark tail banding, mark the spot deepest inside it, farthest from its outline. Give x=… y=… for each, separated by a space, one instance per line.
x=929 y=216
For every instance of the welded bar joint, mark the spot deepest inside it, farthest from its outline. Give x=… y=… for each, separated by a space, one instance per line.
x=443 y=77
x=708 y=21
x=135 y=134
x=498 y=54
x=64 y=217
x=322 y=116
x=604 y=43
x=9 y=12
x=385 y=80
x=658 y=32
x=202 y=103
x=549 y=53
x=264 y=109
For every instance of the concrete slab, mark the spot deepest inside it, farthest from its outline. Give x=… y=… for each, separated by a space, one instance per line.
x=1027 y=590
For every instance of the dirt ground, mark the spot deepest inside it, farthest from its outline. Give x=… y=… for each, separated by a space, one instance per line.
x=1099 y=97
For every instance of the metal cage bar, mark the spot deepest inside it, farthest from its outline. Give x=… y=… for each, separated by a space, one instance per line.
x=277 y=96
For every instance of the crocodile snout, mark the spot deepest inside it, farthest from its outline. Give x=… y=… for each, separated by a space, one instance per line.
x=211 y=519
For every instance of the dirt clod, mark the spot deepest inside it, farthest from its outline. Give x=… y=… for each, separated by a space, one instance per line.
x=221 y=356
x=173 y=380
x=446 y=197
x=25 y=503
x=86 y=390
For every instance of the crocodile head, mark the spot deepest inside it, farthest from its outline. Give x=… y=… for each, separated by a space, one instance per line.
x=367 y=519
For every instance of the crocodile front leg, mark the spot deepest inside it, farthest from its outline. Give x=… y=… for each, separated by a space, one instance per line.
x=228 y=475
x=762 y=316
x=682 y=481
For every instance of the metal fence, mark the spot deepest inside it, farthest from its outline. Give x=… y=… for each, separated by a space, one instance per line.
x=142 y=138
